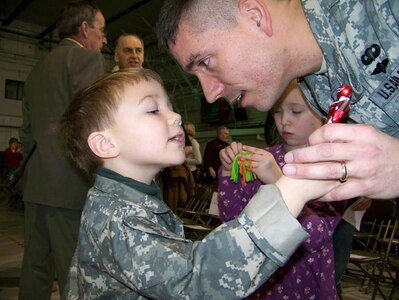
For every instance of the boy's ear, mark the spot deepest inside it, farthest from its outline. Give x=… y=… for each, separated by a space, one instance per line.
x=101 y=145
x=257 y=12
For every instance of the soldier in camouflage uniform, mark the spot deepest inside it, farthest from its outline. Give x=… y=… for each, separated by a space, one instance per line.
x=250 y=50
x=356 y=54
x=131 y=246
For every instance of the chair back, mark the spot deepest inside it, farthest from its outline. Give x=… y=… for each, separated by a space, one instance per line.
x=371 y=262
x=375 y=222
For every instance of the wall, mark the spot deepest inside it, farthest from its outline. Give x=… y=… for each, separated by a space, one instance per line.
x=17 y=58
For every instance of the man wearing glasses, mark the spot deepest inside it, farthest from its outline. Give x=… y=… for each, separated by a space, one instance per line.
x=54 y=191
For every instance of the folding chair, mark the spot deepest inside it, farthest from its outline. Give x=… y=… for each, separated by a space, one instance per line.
x=365 y=238
x=198 y=203
x=11 y=190
x=195 y=215
x=371 y=261
x=393 y=264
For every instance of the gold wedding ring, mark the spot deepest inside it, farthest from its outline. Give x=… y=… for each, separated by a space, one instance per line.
x=344 y=172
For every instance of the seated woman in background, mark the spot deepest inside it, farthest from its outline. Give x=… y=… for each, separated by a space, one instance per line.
x=12 y=156
x=177 y=182
x=194 y=158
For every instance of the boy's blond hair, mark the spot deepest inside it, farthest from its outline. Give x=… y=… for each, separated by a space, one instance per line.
x=93 y=109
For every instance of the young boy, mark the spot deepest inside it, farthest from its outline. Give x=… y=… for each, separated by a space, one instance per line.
x=131 y=246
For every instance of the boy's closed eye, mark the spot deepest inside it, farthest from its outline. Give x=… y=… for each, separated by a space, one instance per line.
x=153 y=111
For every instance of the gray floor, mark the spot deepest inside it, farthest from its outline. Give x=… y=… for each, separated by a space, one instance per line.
x=11 y=251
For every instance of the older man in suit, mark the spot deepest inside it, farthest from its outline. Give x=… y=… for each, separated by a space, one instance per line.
x=54 y=191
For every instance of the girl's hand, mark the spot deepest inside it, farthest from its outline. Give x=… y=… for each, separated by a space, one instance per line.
x=263 y=164
x=227 y=157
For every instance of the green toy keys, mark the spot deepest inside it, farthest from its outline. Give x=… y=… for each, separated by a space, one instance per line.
x=242 y=167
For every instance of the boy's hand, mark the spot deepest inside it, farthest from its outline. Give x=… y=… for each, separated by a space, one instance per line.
x=296 y=192
x=263 y=164
x=227 y=157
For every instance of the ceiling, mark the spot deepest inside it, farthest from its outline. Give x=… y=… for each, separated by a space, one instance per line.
x=35 y=19
x=137 y=16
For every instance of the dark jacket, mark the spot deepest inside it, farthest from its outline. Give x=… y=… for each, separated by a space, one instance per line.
x=50 y=178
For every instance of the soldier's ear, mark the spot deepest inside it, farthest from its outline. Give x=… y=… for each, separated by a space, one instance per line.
x=101 y=144
x=258 y=13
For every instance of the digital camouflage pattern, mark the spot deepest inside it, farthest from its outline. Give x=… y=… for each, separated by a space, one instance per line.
x=131 y=246
x=360 y=44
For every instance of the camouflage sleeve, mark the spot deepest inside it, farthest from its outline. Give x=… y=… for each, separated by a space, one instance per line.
x=395 y=9
x=230 y=263
x=280 y=232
